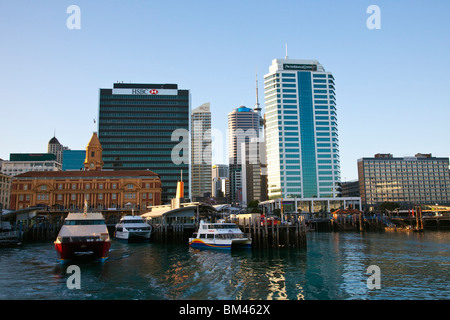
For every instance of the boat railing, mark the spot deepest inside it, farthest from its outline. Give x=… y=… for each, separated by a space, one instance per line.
x=9 y=234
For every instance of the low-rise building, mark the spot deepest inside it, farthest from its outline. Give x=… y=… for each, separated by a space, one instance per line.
x=102 y=189
x=408 y=181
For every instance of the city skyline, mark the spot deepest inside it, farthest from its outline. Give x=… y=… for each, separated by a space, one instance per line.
x=390 y=83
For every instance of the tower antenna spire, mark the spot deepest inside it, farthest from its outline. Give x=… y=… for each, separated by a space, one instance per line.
x=286 y=51
x=257 y=107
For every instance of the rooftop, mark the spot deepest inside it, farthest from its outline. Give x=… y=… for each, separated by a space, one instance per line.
x=87 y=174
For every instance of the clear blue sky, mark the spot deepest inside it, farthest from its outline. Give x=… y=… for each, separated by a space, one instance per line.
x=392 y=84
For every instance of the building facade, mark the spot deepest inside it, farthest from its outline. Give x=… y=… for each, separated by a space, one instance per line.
x=244 y=158
x=25 y=162
x=146 y=126
x=408 y=181
x=5 y=191
x=103 y=190
x=301 y=130
x=201 y=153
x=56 y=148
x=73 y=159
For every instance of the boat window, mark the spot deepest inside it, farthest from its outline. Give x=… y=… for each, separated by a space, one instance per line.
x=132 y=221
x=210 y=236
x=225 y=226
x=84 y=222
x=202 y=236
x=230 y=236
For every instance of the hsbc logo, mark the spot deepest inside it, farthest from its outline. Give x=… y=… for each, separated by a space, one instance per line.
x=144 y=91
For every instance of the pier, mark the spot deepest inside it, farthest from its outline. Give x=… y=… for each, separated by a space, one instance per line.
x=269 y=234
x=177 y=225
x=264 y=233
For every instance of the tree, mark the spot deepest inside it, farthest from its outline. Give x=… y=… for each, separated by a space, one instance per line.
x=388 y=206
x=253 y=207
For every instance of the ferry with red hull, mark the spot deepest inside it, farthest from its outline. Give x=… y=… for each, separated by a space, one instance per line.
x=83 y=234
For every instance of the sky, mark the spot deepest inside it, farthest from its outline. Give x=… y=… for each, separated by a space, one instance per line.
x=391 y=83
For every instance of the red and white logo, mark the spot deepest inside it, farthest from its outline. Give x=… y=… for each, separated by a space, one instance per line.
x=153 y=91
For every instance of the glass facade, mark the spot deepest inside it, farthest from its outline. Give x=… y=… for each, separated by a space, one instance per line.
x=408 y=181
x=201 y=153
x=136 y=123
x=244 y=161
x=301 y=130
x=73 y=159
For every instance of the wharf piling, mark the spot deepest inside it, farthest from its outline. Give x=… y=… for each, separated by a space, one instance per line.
x=263 y=233
x=266 y=234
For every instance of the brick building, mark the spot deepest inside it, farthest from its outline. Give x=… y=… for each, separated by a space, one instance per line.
x=102 y=189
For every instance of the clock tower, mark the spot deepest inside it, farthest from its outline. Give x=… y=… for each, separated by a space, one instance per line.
x=94 y=154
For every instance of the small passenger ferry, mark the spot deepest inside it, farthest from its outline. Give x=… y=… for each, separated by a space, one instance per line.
x=219 y=235
x=83 y=234
x=133 y=228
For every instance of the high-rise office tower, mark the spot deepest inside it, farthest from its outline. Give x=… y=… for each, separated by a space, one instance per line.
x=56 y=148
x=301 y=130
x=220 y=181
x=201 y=154
x=243 y=152
x=146 y=126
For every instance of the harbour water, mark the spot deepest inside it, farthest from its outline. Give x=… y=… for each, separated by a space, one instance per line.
x=333 y=267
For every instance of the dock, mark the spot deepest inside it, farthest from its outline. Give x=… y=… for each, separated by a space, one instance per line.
x=264 y=234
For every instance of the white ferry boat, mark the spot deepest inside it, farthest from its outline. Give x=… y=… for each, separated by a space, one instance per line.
x=133 y=228
x=219 y=235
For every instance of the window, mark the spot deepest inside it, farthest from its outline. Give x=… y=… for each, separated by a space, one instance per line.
x=130 y=186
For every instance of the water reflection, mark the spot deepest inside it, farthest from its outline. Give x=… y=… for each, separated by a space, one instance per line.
x=333 y=266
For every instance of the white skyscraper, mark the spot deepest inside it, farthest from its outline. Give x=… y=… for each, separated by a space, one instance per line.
x=301 y=130
x=201 y=159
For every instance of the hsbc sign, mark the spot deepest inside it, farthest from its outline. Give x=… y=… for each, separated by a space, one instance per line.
x=171 y=92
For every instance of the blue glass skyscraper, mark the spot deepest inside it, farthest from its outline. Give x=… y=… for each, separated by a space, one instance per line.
x=301 y=130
